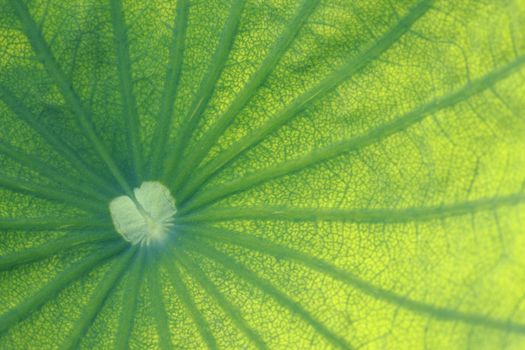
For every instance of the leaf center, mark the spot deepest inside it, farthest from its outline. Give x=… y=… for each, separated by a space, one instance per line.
x=148 y=217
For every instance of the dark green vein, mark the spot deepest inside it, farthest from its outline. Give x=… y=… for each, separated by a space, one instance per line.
x=96 y=302
x=418 y=307
x=303 y=101
x=49 y=249
x=186 y=299
x=357 y=143
x=22 y=112
x=265 y=286
x=157 y=304
x=129 y=302
x=51 y=173
x=171 y=82
x=129 y=103
x=231 y=311
x=45 y=56
x=377 y=215
x=205 y=91
x=249 y=90
x=49 y=193
x=54 y=223
x=61 y=281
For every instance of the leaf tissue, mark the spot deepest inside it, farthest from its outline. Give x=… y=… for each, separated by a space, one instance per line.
x=262 y=174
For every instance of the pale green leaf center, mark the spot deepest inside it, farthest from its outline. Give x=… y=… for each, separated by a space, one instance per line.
x=148 y=217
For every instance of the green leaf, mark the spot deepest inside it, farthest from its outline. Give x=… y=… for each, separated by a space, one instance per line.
x=284 y=174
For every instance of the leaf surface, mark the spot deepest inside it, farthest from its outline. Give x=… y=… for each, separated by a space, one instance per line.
x=346 y=174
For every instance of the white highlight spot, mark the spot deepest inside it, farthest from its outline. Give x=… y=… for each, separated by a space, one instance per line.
x=147 y=218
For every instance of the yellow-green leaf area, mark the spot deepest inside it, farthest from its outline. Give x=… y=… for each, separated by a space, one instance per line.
x=244 y=174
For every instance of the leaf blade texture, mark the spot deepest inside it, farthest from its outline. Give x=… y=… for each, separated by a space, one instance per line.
x=339 y=174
